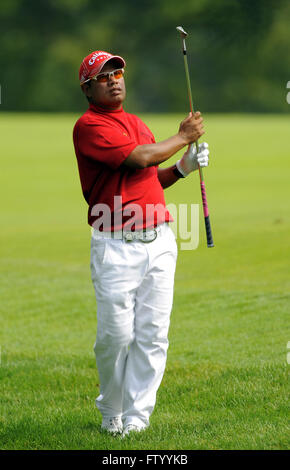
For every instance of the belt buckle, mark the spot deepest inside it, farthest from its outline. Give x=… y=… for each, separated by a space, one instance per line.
x=152 y=239
x=129 y=236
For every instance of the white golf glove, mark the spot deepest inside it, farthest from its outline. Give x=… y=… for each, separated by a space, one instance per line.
x=191 y=159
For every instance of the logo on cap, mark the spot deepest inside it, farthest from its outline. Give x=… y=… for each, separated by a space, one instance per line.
x=96 y=55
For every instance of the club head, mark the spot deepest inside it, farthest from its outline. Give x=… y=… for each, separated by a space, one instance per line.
x=181 y=31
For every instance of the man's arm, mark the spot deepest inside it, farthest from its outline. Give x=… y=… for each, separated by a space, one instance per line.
x=168 y=176
x=144 y=156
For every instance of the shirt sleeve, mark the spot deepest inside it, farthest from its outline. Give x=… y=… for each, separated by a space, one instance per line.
x=105 y=144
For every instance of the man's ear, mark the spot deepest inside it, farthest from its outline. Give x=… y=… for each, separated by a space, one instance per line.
x=86 y=88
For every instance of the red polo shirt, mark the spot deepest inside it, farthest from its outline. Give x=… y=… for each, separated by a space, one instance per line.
x=132 y=197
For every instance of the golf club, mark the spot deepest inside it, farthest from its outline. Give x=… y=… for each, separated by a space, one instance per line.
x=209 y=238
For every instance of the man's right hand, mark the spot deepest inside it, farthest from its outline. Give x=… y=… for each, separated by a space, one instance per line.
x=191 y=128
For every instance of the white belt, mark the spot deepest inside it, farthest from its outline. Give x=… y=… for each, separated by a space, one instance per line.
x=144 y=236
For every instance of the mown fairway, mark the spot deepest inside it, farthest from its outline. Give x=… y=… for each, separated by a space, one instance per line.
x=225 y=385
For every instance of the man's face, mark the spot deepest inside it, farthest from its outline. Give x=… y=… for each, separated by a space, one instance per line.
x=110 y=94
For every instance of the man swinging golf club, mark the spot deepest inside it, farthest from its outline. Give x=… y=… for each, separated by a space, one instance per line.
x=132 y=264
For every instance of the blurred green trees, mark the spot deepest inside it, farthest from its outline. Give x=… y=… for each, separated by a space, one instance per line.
x=238 y=52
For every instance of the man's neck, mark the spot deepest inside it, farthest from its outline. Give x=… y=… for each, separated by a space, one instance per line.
x=108 y=108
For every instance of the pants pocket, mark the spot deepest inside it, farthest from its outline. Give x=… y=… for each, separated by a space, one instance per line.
x=98 y=251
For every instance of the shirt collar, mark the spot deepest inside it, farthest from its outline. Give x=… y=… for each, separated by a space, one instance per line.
x=99 y=109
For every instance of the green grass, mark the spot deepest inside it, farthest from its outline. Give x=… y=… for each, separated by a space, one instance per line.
x=225 y=385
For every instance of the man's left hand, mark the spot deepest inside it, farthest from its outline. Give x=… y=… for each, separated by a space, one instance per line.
x=191 y=160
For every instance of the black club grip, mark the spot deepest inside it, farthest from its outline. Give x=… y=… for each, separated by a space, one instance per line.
x=208 y=232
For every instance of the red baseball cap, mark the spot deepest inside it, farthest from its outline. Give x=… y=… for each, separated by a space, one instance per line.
x=94 y=62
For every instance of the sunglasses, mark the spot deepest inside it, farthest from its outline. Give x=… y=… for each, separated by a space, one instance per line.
x=105 y=77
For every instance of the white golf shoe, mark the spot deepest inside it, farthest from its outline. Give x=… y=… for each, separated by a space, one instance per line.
x=112 y=425
x=129 y=428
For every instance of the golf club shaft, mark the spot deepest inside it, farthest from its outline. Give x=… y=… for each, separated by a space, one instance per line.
x=202 y=185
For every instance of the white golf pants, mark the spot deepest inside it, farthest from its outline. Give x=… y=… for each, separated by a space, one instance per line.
x=133 y=283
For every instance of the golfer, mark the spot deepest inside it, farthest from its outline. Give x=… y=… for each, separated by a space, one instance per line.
x=133 y=249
